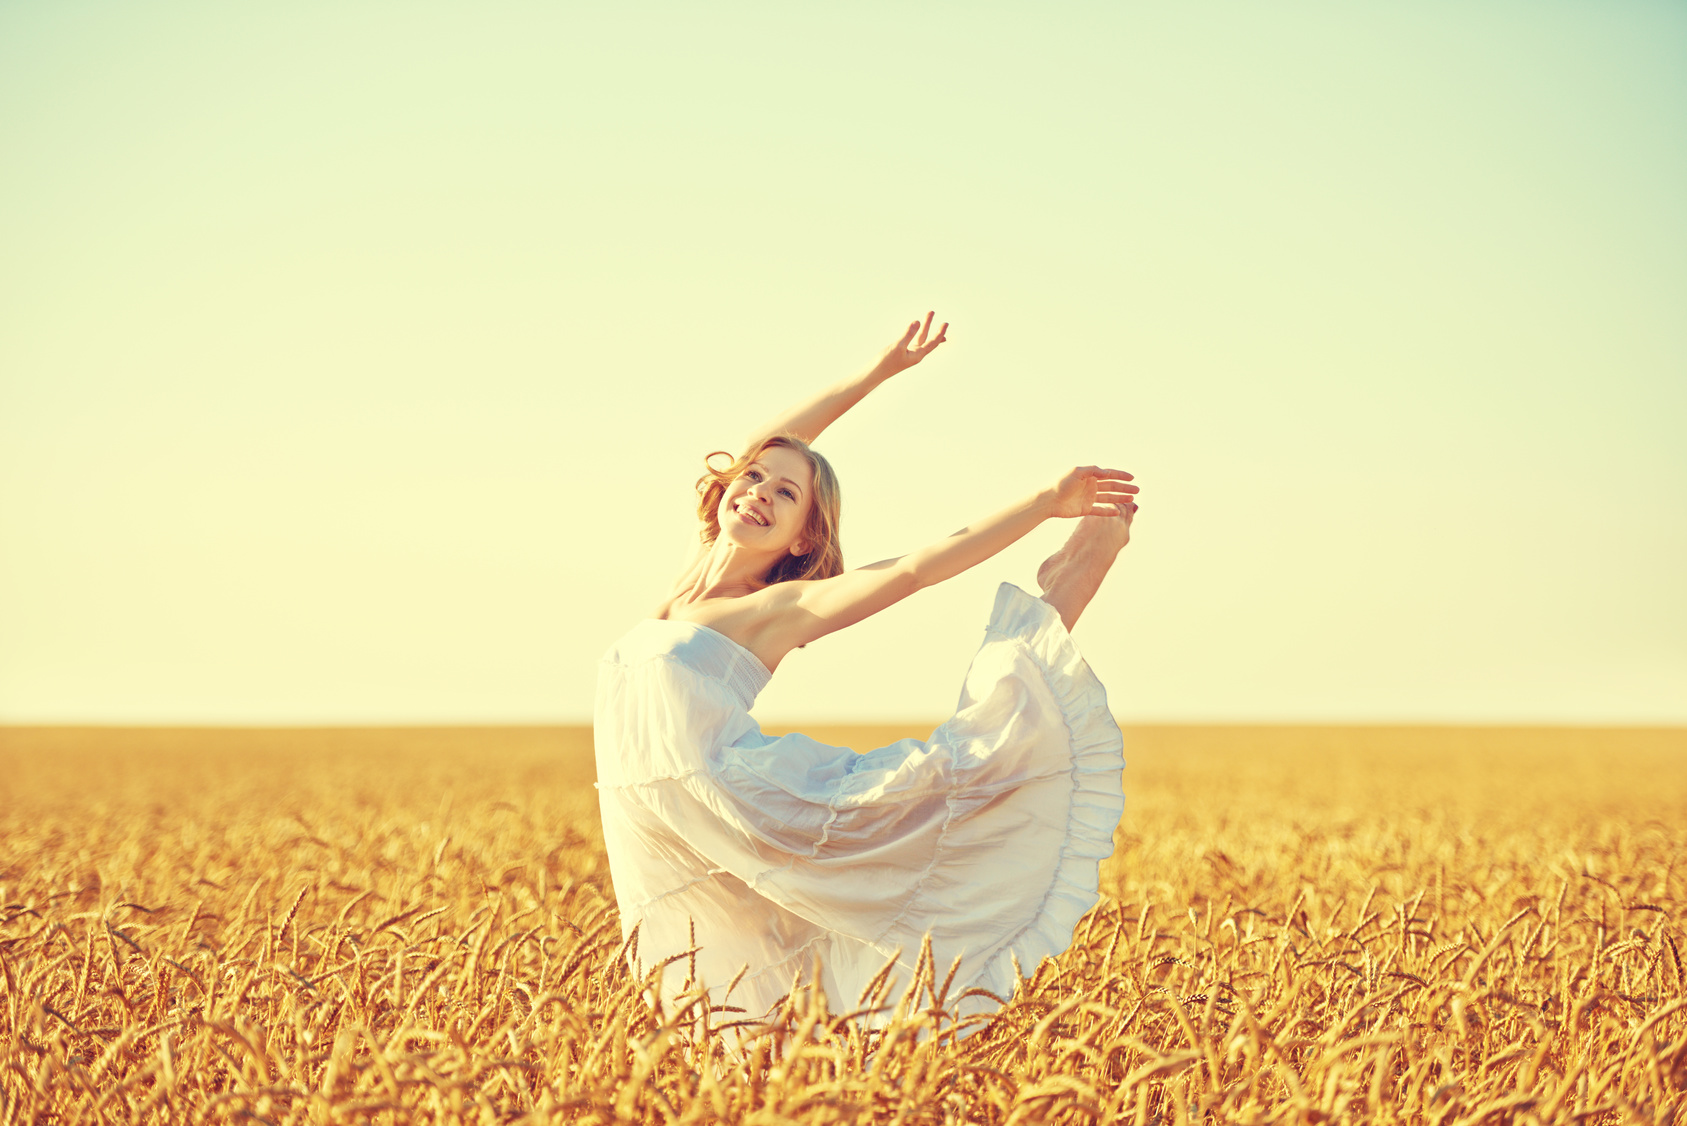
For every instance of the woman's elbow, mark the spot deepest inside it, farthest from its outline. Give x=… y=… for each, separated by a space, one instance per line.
x=914 y=576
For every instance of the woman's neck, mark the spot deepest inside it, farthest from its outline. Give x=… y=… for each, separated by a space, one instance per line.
x=728 y=571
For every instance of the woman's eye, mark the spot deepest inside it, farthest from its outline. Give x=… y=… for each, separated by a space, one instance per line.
x=787 y=494
x=752 y=475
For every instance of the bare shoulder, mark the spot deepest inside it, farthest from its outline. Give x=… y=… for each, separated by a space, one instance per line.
x=741 y=616
x=761 y=621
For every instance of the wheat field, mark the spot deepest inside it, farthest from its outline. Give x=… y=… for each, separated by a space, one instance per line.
x=1299 y=925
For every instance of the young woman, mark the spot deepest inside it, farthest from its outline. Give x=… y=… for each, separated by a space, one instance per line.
x=783 y=854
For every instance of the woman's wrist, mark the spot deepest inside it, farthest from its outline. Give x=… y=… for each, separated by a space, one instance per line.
x=879 y=373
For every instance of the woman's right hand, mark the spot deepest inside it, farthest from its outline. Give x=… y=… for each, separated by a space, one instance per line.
x=911 y=349
x=1090 y=490
x=807 y=420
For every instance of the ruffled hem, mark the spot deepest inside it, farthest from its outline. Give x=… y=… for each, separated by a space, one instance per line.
x=1097 y=765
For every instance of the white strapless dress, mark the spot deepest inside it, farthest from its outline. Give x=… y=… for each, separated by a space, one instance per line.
x=987 y=837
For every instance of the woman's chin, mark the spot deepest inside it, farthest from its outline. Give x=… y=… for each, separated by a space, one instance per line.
x=743 y=535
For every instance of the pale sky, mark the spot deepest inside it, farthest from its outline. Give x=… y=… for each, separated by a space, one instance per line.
x=356 y=359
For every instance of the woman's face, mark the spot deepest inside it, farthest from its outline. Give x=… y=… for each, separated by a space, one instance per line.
x=766 y=508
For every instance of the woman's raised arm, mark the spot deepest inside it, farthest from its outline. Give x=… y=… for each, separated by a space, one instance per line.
x=807 y=420
x=810 y=610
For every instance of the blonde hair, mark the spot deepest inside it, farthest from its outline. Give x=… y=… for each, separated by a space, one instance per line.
x=825 y=553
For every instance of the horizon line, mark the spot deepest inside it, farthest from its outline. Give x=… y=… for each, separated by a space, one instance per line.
x=526 y=725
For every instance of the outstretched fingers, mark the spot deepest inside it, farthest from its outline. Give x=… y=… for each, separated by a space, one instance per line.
x=936 y=340
x=916 y=344
x=1090 y=490
x=1114 y=499
x=924 y=348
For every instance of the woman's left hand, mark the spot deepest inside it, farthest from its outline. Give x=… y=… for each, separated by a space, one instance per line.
x=1090 y=490
x=910 y=350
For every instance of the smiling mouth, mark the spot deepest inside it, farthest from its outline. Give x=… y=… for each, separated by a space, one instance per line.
x=754 y=517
